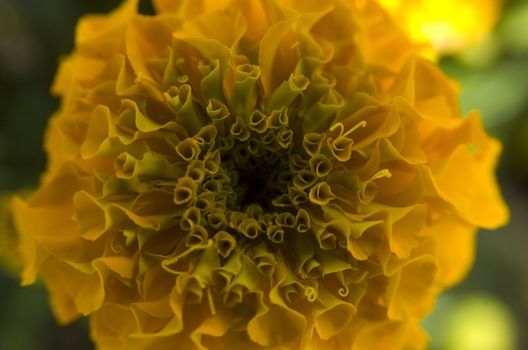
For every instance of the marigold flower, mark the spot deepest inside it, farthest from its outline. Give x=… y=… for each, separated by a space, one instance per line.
x=248 y=174
x=449 y=25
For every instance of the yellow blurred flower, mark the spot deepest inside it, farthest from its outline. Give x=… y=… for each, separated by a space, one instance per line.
x=449 y=25
x=248 y=174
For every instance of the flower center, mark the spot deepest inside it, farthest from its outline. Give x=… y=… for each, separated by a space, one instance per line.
x=249 y=179
x=259 y=178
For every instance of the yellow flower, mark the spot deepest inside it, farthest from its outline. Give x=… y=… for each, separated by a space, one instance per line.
x=449 y=25
x=248 y=174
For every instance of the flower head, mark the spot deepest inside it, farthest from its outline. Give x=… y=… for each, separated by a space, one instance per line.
x=248 y=174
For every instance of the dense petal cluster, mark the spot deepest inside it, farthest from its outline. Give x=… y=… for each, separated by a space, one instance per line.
x=253 y=174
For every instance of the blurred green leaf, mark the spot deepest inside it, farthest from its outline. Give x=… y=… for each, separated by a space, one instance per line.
x=499 y=92
x=514 y=28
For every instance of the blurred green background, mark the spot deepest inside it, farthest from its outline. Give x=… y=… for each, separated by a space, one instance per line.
x=488 y=311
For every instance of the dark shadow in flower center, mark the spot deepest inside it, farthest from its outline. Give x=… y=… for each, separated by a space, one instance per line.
x=258 y=179
x=256 y=187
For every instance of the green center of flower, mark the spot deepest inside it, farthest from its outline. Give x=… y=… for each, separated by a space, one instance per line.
x=246 y=177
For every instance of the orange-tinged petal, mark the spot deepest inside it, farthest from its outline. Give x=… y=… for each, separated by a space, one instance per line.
x=478 y=200
x=454 y=240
